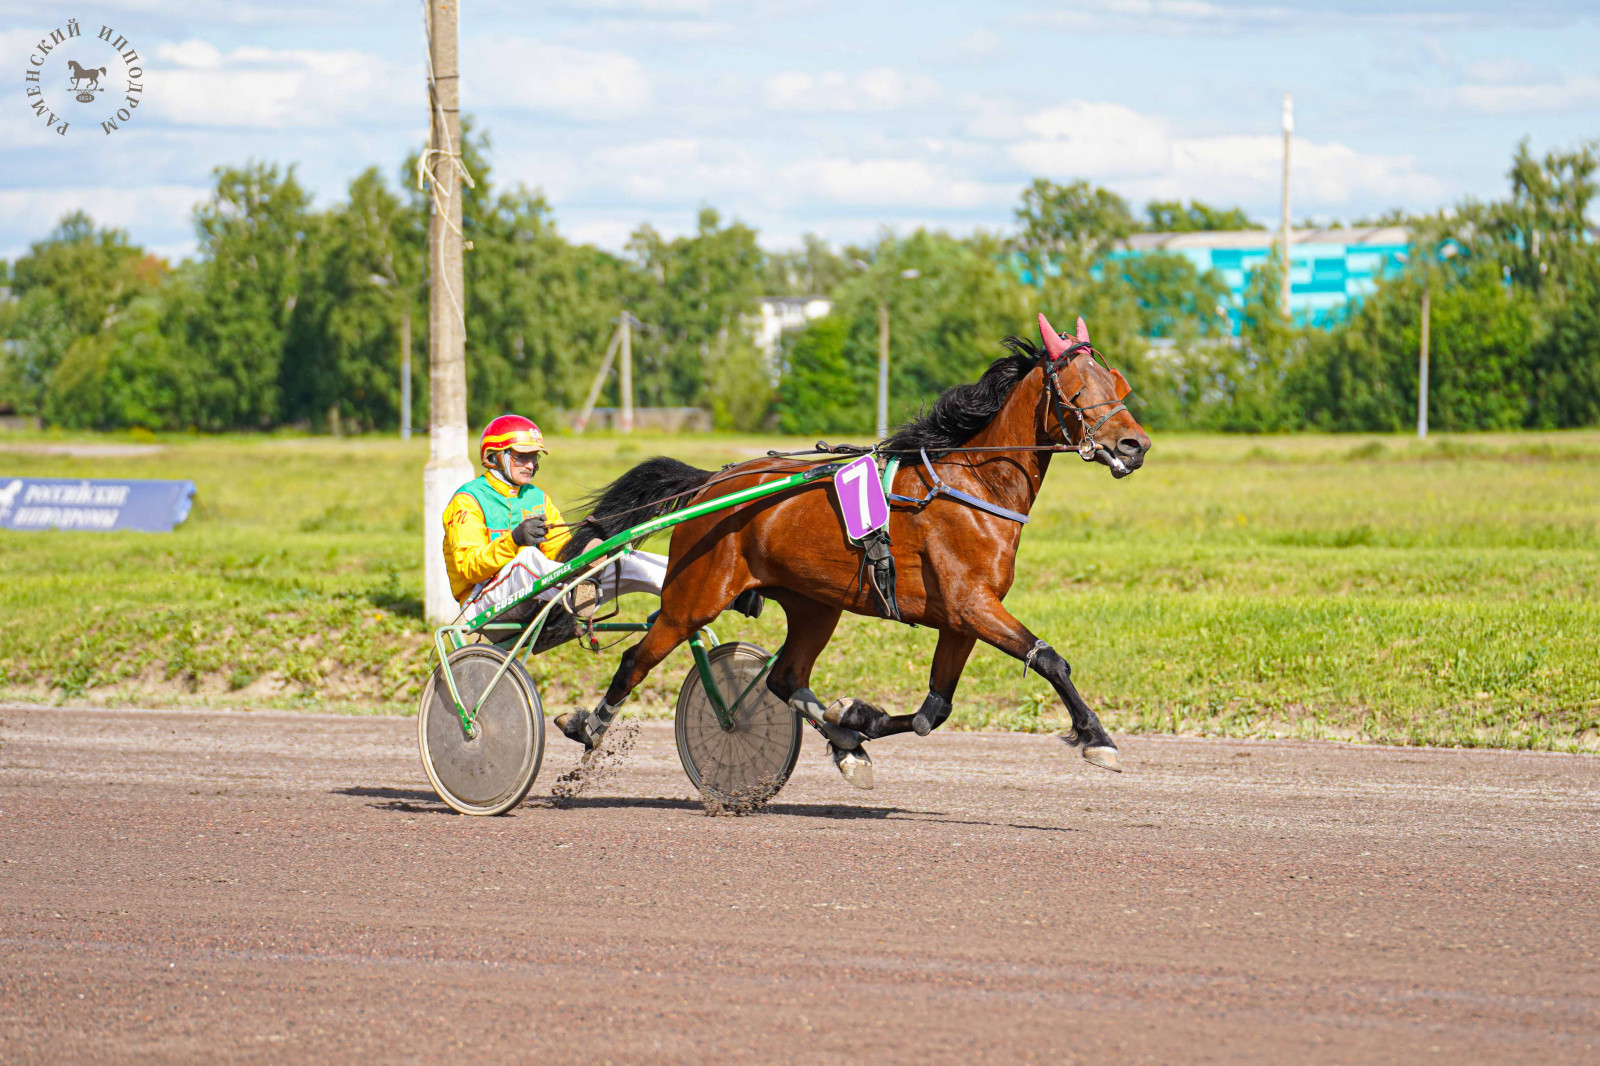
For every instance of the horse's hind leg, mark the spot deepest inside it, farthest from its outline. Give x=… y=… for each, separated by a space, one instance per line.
x=811 y=626
x=998 y=627
x=671 y=628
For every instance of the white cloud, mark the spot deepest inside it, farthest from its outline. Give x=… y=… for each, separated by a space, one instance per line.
x=880 y=89
x=649 y=7
x=610 y=234
x=1159 y=16
x=1186 y=17
x=264 y=88
x=1093 y=138
x=681 y=168
x=1250 y=168
x=1501 y=70
x=524 y=73
x=1140 y=155
x=901 y=183
x=152 y=208
x=979 y=46
x=1508 y=99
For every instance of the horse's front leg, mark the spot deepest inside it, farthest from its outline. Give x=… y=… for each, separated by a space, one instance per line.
x=996 y=626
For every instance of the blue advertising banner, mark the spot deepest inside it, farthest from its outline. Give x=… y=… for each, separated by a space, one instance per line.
x=67 y=503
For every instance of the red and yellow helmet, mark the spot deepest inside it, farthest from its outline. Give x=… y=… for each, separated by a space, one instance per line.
x=511 y=432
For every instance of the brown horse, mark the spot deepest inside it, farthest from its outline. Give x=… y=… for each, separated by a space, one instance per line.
x=991 y=440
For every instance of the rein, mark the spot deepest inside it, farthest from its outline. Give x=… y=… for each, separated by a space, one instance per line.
x=1087 y=447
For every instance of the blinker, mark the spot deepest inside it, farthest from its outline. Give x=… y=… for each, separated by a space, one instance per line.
x=1123 y=388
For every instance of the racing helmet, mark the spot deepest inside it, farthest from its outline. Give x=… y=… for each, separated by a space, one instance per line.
x=509 y=433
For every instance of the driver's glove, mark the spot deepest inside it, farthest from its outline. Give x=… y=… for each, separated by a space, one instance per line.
x=530 y=532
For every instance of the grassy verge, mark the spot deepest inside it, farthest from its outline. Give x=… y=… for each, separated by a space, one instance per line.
x=1377 y=588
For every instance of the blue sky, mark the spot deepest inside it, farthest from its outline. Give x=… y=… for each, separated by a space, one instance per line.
x=802 y=116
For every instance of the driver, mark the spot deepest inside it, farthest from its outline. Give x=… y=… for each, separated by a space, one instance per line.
x=501 y=532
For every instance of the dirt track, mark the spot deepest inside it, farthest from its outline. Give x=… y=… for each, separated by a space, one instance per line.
x=268 y=887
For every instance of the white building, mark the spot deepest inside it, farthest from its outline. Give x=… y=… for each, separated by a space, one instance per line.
x=780 y=314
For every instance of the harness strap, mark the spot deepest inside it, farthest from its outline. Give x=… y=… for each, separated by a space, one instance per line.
x=941 y=489
x=1087 y=445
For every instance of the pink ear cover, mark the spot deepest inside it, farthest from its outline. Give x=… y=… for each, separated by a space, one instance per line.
x=1052 y=340
x=1083 y=331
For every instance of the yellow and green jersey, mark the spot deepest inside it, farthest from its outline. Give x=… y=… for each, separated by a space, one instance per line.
x=478 y=525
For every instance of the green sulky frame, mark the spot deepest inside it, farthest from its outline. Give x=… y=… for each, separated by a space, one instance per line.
x=562 y=580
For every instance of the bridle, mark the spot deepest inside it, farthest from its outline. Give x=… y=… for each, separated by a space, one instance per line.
x=1087 y=445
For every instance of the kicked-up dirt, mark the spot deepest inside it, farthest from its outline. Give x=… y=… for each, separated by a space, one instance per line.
x=238 y=887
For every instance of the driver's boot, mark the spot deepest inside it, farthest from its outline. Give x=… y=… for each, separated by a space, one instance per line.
x=587 y=727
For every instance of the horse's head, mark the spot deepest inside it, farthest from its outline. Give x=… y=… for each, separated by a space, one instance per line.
x=1086 y=400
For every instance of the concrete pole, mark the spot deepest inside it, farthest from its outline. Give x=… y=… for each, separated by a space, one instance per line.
x=1288 y=135
x=883 y=370
x=1422 y=368
x=448 y=466
x=625 y=381
x=405 y=374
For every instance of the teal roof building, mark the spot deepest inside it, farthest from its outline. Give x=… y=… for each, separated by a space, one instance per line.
x=1328 y=268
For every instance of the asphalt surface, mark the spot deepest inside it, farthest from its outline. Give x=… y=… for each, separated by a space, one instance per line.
x=268 y=887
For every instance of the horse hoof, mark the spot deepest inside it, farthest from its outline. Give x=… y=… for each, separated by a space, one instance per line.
x=855 y=765
x=1103 y=756
x=572 y=725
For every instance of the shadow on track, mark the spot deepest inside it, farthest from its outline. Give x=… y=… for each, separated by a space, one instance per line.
x=421 y=801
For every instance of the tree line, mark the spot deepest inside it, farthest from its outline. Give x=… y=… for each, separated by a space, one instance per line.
x=294 y=316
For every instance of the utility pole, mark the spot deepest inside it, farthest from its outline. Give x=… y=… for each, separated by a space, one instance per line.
x=582 y=421
x=1288 y=135
x=1422 y=367
x=448 y=467
x=405 y=373
x=883 y=338
x=883 y=370
x=625 y=379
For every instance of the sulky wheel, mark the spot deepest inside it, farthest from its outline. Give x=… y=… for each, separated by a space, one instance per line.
x=747 y=765
x=491 y=771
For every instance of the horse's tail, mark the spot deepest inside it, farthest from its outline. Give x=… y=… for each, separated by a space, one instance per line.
x=650 y=490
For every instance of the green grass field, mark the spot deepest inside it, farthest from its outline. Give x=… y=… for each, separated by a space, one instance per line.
x=1359 y=587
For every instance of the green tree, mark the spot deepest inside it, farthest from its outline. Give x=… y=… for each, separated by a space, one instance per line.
x=136 y=373
x=540 y=310
x=699 y=298
x=1067 y=228
x=70 y=286
x=823 y=391
x=1171 y=216
x=362 y=275
x=1363 y=376
x=814 y=269
x=1543 y=228
x=256 y=233
x=946 y=325
x=1565 y=364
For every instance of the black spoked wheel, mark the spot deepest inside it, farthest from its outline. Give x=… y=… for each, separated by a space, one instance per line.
x=749 y=763
x=490 y=771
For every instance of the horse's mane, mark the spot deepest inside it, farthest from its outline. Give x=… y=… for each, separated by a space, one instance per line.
x=962 y=410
